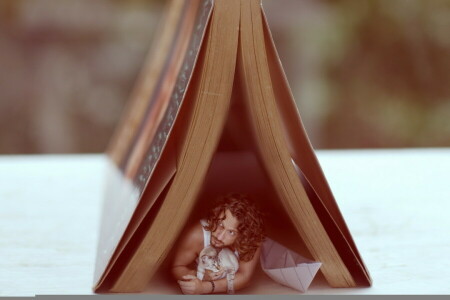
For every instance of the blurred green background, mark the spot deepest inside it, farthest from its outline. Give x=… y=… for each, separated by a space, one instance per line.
x=365 y=73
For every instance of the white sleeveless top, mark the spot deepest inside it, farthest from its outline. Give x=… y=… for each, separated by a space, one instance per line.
x=207 y=236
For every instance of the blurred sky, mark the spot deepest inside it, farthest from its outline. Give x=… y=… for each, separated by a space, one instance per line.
x=365 y=74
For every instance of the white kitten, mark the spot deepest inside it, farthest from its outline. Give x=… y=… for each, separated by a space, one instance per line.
x=207 y=261
x=225 y=259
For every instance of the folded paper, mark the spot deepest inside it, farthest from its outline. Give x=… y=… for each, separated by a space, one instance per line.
x=286 y=266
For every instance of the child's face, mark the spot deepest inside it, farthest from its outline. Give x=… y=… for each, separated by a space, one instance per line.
x=226 y=232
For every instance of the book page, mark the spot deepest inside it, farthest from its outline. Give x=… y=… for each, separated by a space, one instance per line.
x=124 y=191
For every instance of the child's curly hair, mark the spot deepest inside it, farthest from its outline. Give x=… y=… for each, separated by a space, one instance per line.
x=250 y=228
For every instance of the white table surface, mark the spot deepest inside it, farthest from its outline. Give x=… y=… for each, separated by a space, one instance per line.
x=396 y=204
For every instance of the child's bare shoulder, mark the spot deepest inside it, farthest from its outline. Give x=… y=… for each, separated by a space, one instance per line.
x=193 y=236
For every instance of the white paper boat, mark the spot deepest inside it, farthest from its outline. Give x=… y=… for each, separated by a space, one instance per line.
x=287 y=267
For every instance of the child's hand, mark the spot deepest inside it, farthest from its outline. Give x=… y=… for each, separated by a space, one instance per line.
x=191 y=285
x=216 y=275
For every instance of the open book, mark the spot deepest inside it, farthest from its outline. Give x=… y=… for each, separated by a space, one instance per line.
x=212 y=113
